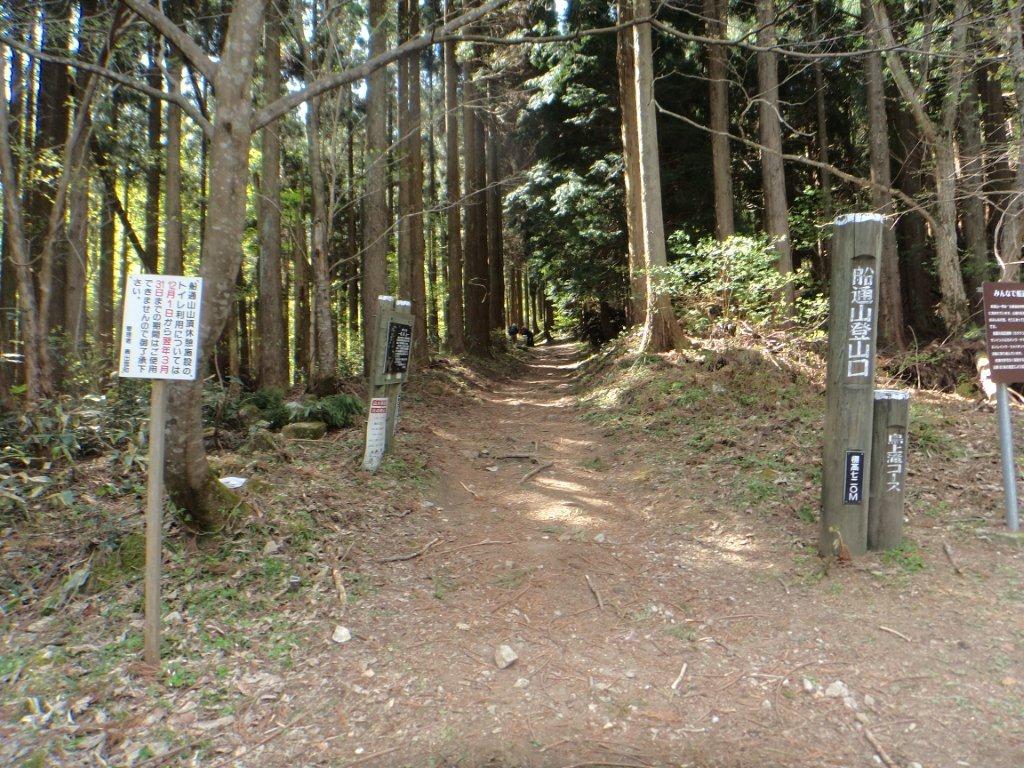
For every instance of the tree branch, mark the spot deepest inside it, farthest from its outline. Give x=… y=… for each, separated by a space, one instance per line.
x=910 y=202
x=186 y=106
x=177 y=37
x=287 y=103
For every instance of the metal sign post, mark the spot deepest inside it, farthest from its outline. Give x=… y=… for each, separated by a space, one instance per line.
x=1004 y=337
x=857 y=245
x=389 y=369
x=159 y=341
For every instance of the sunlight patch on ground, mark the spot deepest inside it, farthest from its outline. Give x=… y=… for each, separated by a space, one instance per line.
x=560 y=513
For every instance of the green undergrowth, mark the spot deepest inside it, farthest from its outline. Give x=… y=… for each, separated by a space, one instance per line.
x=744 y=419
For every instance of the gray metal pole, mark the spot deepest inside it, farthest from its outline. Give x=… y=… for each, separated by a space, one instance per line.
x=1009 y=465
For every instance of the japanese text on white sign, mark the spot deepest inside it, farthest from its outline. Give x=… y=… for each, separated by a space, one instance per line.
x=862 y=302
x=160 y=332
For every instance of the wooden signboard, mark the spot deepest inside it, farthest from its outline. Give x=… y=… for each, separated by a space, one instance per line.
x=1004 y=330
x=159 y=341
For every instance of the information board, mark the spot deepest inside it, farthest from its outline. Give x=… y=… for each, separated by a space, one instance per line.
x=160 y=327
x=399 y=347
x=1004 y=330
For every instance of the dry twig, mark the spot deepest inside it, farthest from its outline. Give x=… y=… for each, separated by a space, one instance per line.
x=600 y=602
x=892 y=631
x=410 y=555
x=679 y=679
x=483 y=543
x=537 y=470
x=952 y=559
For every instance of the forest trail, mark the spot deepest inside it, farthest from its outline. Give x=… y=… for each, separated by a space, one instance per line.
x=651 y=627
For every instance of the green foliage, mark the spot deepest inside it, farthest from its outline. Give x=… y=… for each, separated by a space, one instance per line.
x=40 y=445
x=906 y=557
x=738 y=276
x=336 y=411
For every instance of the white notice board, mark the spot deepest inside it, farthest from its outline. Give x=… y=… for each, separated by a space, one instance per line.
x=160 y=328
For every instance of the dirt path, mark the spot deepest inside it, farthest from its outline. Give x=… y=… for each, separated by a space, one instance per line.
x=651 y=627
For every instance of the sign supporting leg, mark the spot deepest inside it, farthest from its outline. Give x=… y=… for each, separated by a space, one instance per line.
x=154 y=521
x=1009 y=465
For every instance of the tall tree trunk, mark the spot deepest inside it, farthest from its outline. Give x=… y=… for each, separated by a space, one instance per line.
x=302 y=318
x=273 y=332
x=351 y=204
x=105 y=273
x=454 y=328
x=625 y=59
x=190 y=483
x=495 y=249
x=325 y=372
x=77 y=254
x=36 y=378
x=420 y=347
x=154 y=164
x=890 y=304
x=717 y=14
x=476 y=275
x=661 y=331
x=52 y=123
x=919 y=286
x=972 y=192
x=433 y=289
x=773 y=174
x=375 y=218
x=174 y=245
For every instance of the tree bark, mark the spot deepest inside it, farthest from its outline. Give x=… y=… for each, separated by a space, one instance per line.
x=325 y=371
x=273 y=334
x=717 y=15
x=495 y=251
x=476 y=274
x=972 y=192
x=890 y=301
x=154 y=164
x=190 y=483
x=375 y=217
x=174 y=246
x=661 y=332
x=36 y=382
x=773 y=174
x=454 y=328
x=625 y=59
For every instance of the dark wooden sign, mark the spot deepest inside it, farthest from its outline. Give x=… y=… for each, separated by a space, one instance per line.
x=1004 y=330
x=399 y=348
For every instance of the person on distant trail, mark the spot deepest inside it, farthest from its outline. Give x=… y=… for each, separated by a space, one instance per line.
x=525 y=331
x=513 y=331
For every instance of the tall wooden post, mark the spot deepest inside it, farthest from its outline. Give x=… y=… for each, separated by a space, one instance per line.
x=154 y=523
x=888 y=468
x=856 y=248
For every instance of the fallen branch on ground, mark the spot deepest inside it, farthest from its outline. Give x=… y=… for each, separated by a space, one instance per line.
x=679 y=679
x=892 y=631
x=600 y=602
x=410 y=555
x=339 y=585
x=533 y=472
x=952 y=559
x=483 y=543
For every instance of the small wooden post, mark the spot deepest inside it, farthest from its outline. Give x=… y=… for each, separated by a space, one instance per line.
x=888 y=468
x=856 y=246
x=154 y=522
